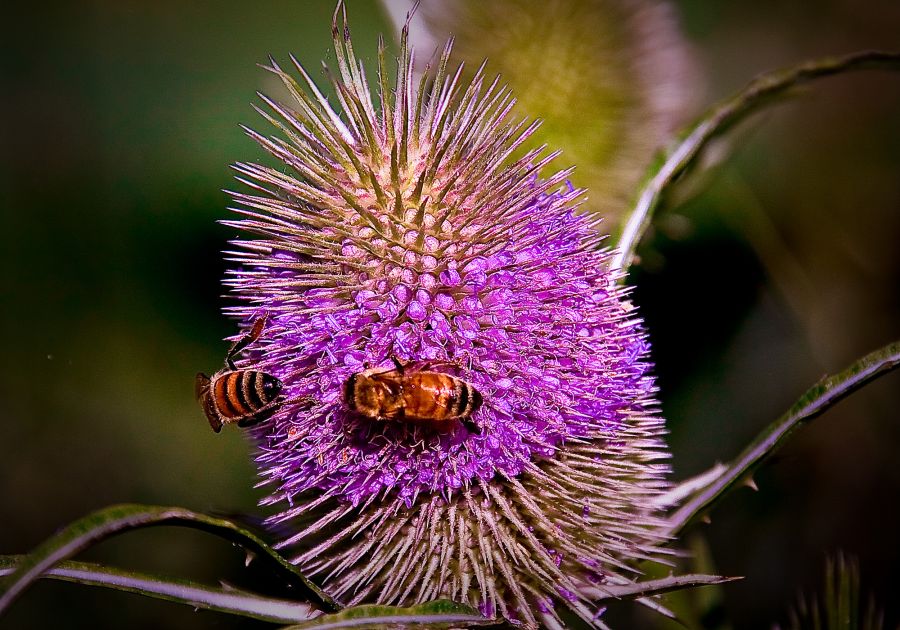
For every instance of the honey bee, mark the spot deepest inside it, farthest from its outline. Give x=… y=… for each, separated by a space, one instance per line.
x=413 y=395
x=233 y=396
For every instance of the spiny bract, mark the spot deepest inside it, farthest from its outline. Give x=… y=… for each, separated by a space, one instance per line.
x=418 y=228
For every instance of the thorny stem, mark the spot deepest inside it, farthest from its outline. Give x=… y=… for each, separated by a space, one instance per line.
x=813 y=403
x=722 y=116
x=117 y=519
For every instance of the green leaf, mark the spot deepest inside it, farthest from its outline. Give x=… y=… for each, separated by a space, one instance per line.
x=227 y=600
x=759 y=92
x=436 y=614
x=121 y=518
x=813 y=403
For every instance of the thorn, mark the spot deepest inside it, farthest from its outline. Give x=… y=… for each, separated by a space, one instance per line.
x=334 y=19
x=751 y=484
x=410 y=14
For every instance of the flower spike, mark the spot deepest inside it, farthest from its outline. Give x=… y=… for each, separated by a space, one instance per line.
x=413 y=240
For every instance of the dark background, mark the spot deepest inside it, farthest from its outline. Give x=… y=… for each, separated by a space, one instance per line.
x=119 y=121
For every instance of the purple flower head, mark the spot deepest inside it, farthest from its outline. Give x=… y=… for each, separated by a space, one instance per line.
x=415 y=228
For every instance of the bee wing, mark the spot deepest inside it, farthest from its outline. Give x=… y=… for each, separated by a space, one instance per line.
x=213 y=418
x=201 y=385
x=201 y=391
x=391 y=379
x=433 y=365
x=389 y=375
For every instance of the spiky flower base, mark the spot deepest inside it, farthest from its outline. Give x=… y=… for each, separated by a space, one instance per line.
x=412 y=231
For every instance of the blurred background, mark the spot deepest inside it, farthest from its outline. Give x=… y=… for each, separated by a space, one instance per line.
x=767 y=270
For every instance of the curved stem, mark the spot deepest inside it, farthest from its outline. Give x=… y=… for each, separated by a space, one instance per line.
x=723 y=115
x=220 y=599
x=813 y=403
x=117 y=519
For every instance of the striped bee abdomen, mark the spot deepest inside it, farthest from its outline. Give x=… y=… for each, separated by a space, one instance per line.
x=231 y=395
x=243 y=393
x=468 y=399
x=438 y=397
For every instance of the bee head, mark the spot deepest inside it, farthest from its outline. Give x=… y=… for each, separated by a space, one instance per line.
x=271 y=386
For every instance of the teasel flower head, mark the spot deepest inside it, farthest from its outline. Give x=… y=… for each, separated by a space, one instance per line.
x=408 y=226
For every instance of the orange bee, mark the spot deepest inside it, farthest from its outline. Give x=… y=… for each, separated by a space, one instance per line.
x=413 y=395
x=233 y=396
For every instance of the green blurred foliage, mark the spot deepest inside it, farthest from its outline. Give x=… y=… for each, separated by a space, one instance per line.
x=119 y=122
x=840 y=604
x=616 y=80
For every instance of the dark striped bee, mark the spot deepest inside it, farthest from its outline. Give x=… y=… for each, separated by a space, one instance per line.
x=233 y=396
x=413 y=395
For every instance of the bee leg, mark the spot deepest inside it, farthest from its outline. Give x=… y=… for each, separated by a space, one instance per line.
x=397 y=364
x=263 y=413
x=250 y=421
x=306 y=401
x=471 y=425
x=399 y=415
x=245 y=341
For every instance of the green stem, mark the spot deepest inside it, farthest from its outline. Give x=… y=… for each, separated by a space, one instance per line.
x=443 y=614
x=227 y=600
x=813 y=403
x=110 y=521
x=723 y=115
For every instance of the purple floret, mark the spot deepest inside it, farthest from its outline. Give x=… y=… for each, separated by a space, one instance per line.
x=421 y=231
x=533 y=323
